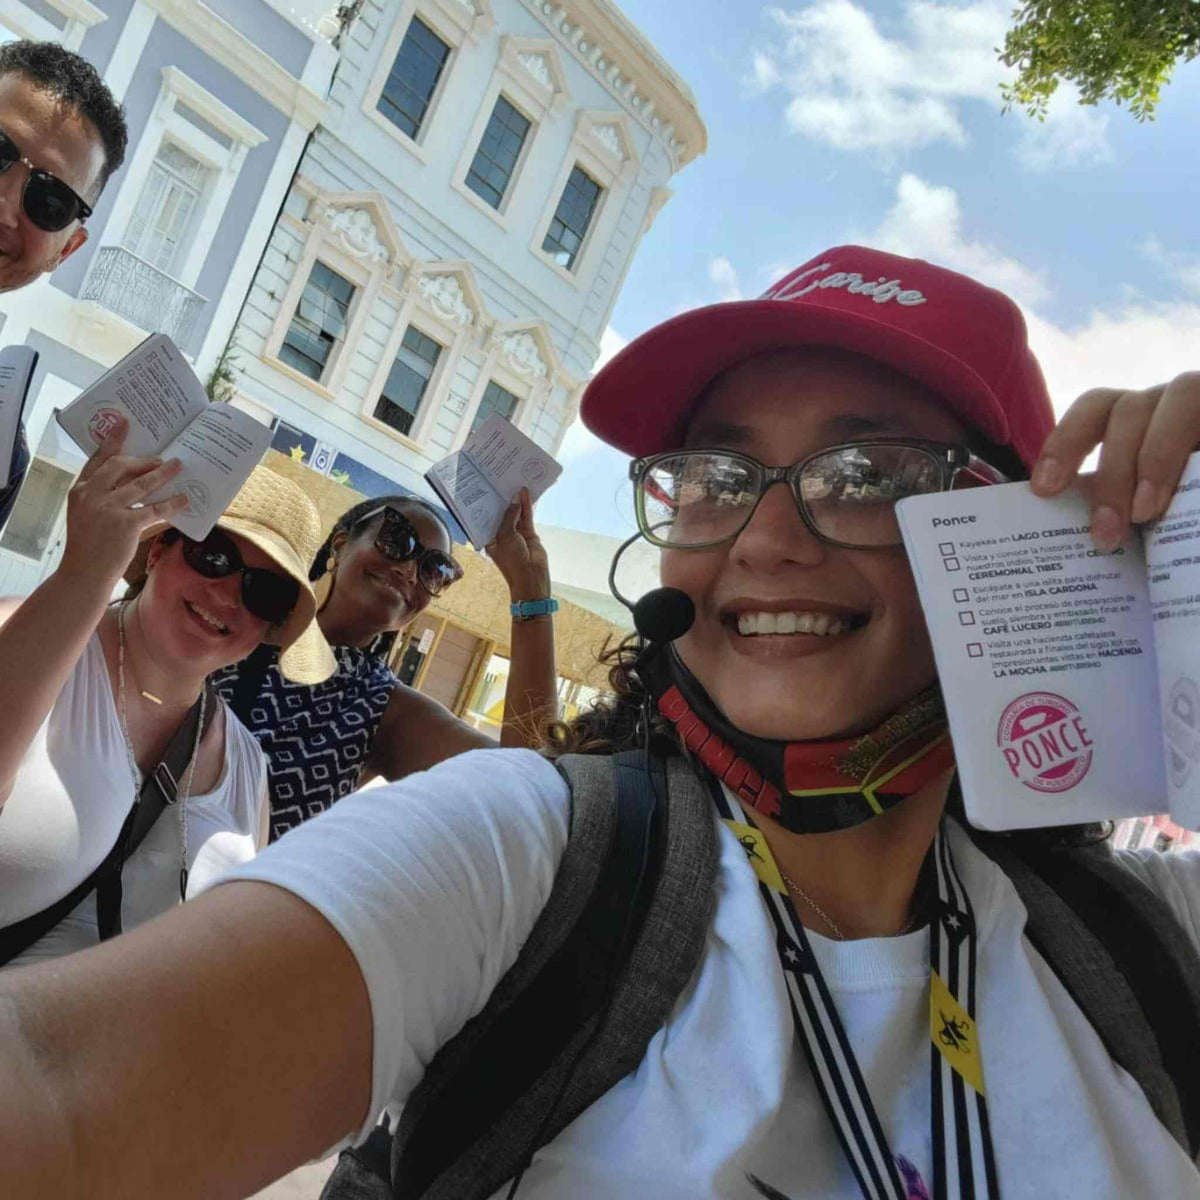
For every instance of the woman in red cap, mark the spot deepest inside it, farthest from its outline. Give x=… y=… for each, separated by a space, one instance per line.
x=863 y=1013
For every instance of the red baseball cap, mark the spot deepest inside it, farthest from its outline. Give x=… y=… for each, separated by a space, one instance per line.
x=964 y=341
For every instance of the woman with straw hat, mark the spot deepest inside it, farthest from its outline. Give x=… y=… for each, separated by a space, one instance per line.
x=108 y=720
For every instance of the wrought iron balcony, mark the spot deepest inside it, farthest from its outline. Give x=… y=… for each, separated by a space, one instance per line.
x=141 y=293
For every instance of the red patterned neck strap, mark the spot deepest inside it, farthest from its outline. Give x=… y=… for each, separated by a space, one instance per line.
x=809 y=787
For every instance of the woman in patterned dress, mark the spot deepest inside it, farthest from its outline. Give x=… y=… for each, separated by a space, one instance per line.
x=324 y=741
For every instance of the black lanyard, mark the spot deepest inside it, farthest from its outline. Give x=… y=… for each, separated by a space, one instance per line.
x=963 y=1160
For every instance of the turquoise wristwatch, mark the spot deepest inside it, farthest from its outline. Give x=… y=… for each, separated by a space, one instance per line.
x=525 y=610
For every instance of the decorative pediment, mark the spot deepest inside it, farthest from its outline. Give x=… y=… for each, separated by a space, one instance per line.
x=361 y=223
x=610 y=135
x=630 y=70
x=449 y=289
x=534 y=64
x=527 y=349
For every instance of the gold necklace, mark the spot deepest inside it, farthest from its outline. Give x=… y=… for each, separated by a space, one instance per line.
x=182 y=798
x=838 y=935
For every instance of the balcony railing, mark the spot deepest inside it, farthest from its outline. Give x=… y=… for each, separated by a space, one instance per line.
x=143 y=294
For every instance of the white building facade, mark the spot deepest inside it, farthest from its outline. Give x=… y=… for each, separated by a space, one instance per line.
x=458 y=230
x=220 y=98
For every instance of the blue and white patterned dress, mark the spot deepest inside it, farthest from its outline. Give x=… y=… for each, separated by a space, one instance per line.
x=316 y=737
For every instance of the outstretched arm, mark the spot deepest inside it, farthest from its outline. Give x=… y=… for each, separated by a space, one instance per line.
x=416 y=732
x=531 y=698
x=133 y=1070
x=41 y=641
x=213 y=1049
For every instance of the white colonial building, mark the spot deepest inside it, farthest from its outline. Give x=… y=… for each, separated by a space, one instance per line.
x=458 y=230
x=220 y=98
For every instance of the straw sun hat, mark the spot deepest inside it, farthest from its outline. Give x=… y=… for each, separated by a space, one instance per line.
x=274 y=514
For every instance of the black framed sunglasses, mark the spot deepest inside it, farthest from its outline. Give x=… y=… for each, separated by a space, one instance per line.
x=398 y=540
x=268 y=595
x=48 y=202
x=845 y=494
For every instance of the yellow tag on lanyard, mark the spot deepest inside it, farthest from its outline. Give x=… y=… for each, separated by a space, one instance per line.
x=758 y=854
x=954 y=1033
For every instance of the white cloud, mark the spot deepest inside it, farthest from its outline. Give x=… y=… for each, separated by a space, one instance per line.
x=1183 y=269
x=722 y=273
x=764 y=72
x=1072 y=135
x=926 y=222
x=856 y=88
x=1133 y=342
x=1131 y=345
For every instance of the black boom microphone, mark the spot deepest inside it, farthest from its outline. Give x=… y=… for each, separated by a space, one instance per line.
x=663 y=615
x=659 y=616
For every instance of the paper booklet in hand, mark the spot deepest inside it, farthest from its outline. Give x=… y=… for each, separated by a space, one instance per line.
x=171 y=416
x=480 y=481
x=16 y=372
x=1071 y=676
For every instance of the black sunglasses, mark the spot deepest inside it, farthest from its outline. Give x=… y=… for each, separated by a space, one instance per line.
x=398 y=540
x=48 y=202
x=268 y=595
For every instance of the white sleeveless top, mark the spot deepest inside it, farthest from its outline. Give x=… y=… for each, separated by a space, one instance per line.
x=71 y=796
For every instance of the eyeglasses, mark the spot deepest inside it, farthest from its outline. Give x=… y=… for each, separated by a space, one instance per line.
x=48 y=202
x=846 y=494
x=398 y=540
x=268 y=595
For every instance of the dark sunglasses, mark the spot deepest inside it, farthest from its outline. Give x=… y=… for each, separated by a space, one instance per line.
x=48 y=202
x=268 y=595
x=399 y=541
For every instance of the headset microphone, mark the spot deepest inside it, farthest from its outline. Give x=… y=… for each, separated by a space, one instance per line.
x=659 y=616
x=663 y=615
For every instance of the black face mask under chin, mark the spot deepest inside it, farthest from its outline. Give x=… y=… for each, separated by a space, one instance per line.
x=808 y=787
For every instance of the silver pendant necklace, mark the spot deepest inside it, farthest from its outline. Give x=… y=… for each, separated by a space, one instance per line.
x=182 y=798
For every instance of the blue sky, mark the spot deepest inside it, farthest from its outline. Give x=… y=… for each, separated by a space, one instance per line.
x=878 y=122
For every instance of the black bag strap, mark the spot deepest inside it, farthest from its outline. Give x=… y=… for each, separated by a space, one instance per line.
x=573 y=987
x=159 y=789
x=1135 y=928
x=1120 y=953
x=481 y=1077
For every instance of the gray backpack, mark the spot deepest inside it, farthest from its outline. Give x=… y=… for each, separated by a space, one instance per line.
x=623 y=932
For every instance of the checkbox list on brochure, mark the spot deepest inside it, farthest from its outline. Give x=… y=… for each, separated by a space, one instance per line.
x=949 y=559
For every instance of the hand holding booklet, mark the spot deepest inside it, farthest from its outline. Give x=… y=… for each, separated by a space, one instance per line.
x=1071 y=676
x=171 y=416
x=480 y=481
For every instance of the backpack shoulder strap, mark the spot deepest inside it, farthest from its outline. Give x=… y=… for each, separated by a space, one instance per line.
x=1123 y=957
x=427 y=1144
x=575 y=1013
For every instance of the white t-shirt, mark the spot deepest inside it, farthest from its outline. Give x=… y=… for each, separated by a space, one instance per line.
x=72 y=793
x=435 y=882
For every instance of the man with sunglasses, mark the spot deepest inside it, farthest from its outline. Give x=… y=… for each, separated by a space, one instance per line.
x=61 y=136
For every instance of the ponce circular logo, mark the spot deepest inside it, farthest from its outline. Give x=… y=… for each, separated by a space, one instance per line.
x=1181 y=724
x=1044 y=741
x=101 y=423
x=199 y=497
